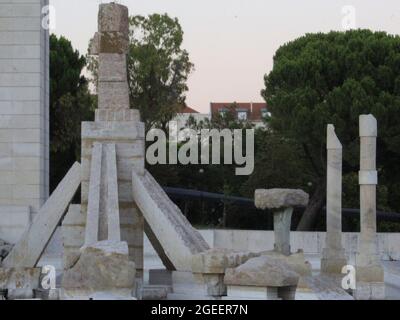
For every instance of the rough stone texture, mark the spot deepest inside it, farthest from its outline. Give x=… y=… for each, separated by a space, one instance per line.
x=333 y=256
x=263 y=271
x=368 y=264
x=101 y=267
x=5 y=249
x=19 y=282
x=113 y=17
x=113 y=95
x=295 y=261
x=27 y=252
x=280 y=198
x=216 y=260
x=24 y=106
x=178 y=239
x=113 y=67
x=209 y=268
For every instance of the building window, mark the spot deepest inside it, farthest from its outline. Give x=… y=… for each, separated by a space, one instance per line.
x=265 y=113
x=242 y=115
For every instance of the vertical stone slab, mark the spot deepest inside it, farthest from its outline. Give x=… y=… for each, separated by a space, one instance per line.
x=93 y=213
x=333 y=255
x=24 y=105
x=369 y=271
x=113 y=221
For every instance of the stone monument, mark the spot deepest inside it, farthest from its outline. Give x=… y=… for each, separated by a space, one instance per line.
x=369 y=271
x=333 y=255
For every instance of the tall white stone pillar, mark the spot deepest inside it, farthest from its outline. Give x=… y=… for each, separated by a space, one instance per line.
x=333 y=256
x=24 y=114
x=369 y=271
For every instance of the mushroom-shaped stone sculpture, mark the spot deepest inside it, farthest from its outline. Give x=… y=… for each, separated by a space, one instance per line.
x=281 y=202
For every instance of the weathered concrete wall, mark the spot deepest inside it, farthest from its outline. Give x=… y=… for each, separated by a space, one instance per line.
x=311 y=242
x=24 y=105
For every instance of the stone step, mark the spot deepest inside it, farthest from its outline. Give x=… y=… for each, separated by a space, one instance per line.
x=155 y=292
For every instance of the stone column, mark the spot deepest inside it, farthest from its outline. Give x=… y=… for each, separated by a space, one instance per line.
x=333 y=255
x=369 y=271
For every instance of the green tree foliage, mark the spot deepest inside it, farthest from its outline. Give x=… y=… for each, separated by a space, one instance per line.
x=158 y=68
x=333 y=78
x=70 y=104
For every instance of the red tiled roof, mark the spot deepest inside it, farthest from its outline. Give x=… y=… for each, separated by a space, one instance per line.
x=187 y=109
x=254 y=109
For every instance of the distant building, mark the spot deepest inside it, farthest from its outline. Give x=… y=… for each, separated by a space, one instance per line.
x=253 y=112
x=183 y=116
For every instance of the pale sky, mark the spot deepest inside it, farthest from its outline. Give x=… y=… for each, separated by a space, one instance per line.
x=232 y=42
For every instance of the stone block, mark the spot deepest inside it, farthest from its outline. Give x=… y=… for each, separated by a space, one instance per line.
x=280 y=198
x=112 y=131
x=113 y=95
x=101 y=267
x=263 y=271
x=19 y=278
x=113 y=17
x=112 y=67
x=117 y=115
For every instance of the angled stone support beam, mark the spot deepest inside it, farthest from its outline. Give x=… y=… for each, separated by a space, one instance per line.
x=93 y=212
x=26 y=253
x=333 y=255
x=113 y=224
x=178 y=240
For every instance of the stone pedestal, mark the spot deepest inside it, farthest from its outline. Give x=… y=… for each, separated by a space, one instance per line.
x=266 y=277
x=369 y=270
x=19 y=283
x=333 y=255
x=209 y=268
